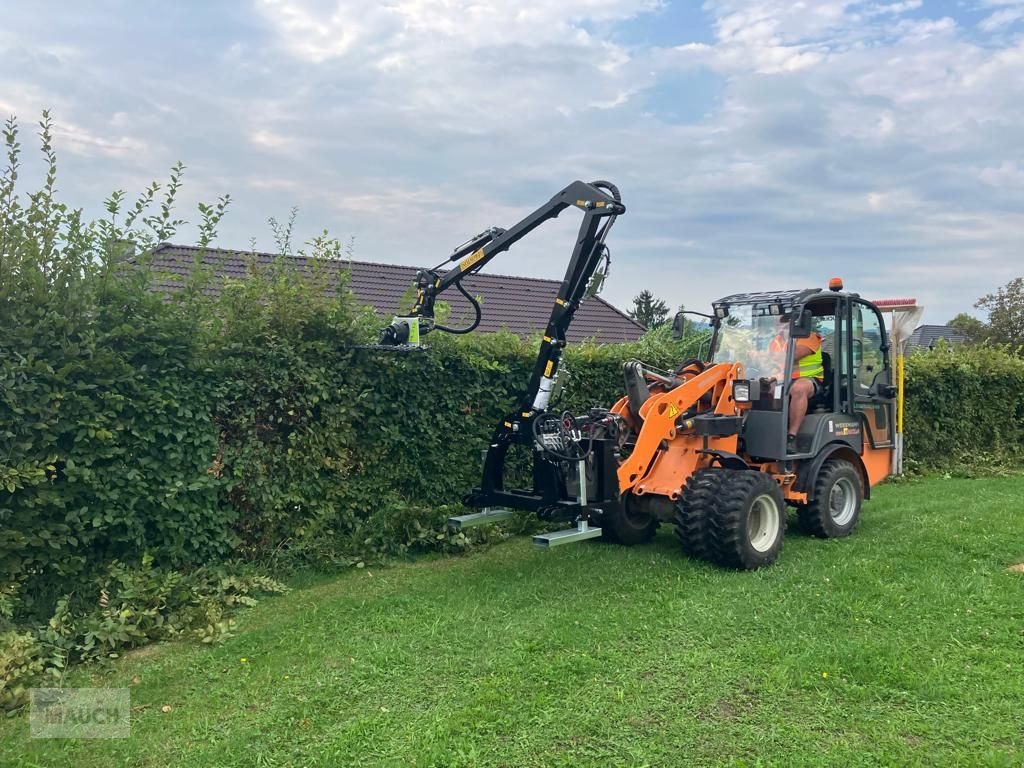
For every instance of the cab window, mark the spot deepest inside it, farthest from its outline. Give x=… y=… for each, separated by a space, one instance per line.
x=825 y=326
x=868 y=355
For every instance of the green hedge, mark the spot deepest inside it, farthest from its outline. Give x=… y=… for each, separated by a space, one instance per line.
x=106 y=434
x=251 y=424
x=190 y=430
x=964 y=408
x=200 y=429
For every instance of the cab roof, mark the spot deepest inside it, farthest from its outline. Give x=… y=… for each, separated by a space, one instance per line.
x=786 y=298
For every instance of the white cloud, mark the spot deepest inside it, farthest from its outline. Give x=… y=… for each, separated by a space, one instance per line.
x=894 y=8
x=83 y=141
x=267 y=139
x=790 y=140
x=1002 y=19
x=1006 y=174
x=465 y=65
x=841 y=132
x=320 y=31
x=769 y=36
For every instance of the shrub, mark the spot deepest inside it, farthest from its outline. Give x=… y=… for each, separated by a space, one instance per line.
x=104 y=424
x=124 y=608
x=964 y=407
x=21 y=664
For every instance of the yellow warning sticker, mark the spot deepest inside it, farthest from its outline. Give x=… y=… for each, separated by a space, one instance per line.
x=472 y=259
x=550 y=367
x=673 y=411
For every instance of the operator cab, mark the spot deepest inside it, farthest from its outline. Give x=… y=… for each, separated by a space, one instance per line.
x=853 y=400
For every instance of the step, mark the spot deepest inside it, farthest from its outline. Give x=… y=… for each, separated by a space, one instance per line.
x=484 y=517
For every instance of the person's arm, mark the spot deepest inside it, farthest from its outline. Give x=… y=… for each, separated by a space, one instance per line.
x=805 y=347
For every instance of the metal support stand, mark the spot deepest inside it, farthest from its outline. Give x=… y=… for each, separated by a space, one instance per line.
x=582 y=531
x=488 y=515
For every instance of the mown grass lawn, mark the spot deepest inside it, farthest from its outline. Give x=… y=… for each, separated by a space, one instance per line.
x=903 y=645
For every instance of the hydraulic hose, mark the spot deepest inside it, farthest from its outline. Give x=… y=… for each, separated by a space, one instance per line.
x=476 y=309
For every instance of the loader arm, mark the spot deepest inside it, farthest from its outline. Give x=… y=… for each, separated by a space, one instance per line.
x=663 y=420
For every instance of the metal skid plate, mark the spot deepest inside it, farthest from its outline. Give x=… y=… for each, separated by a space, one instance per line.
x=488 y=515
x=581 y=532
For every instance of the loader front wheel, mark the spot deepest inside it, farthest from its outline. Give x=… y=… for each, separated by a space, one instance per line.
x=694 y=509
x=630 y=522
x=748 y=523
x=834 y=509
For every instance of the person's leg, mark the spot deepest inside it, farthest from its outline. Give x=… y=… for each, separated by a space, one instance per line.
x=800 y=392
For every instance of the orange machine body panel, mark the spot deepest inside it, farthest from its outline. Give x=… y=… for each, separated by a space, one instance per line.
x=666 y=454
x=877 y=463
x=662 y=459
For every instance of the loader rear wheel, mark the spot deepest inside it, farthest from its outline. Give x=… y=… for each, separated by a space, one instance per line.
x=748 y=523
x=834 y=509
x=694 y=509
x=630 y=522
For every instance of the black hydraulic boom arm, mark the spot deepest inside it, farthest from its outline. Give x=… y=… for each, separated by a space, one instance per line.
x=600 y=203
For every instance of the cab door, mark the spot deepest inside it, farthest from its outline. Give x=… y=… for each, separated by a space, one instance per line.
x=870 y=377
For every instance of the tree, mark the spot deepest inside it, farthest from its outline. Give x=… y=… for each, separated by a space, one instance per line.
x=1005 y=310
x=649 y=311
x=973 y=328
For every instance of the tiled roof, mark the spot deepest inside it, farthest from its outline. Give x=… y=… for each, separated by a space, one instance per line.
x=519 y=304
x=927 y=335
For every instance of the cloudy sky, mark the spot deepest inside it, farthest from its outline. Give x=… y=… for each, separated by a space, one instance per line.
x=757 y=143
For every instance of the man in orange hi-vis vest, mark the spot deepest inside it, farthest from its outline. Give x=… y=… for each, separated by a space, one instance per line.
x=808 y=376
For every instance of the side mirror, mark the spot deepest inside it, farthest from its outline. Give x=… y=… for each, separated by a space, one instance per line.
x=679 y=325
x=803 y=325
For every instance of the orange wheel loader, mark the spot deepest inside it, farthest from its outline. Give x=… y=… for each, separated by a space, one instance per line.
x=706 y=447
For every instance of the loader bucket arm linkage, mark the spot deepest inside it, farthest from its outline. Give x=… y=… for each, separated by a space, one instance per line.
x=663 y=417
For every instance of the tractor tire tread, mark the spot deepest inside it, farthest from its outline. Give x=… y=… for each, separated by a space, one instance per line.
x=694 y=510
x=814 y=517
x=728 y=525
x=617 y=527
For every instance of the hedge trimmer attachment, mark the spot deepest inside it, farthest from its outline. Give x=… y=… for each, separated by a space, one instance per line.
x=600 y=203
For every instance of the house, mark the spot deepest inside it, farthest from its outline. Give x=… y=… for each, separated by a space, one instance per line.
x=518 y=304
x=926 y=336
